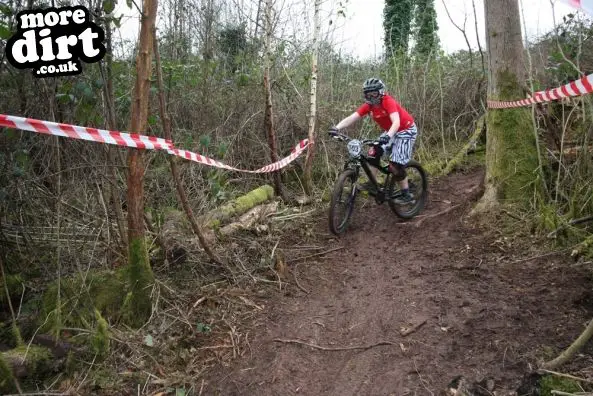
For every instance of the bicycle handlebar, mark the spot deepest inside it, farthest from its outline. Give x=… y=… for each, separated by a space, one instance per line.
x=339 y=136
x=345 y=138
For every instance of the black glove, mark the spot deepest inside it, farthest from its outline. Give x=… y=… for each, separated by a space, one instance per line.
x=333 y=131
x=384 y=138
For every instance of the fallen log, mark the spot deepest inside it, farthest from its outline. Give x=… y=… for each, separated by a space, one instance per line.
x=569 y=155
x=238 y=206
x=175 y=231
x=470 y=145
x=572 y=151
x=38 y=361
x=34 y=361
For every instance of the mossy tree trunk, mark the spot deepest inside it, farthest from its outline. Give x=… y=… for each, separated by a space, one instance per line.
x=511 y=150
x=138 y=304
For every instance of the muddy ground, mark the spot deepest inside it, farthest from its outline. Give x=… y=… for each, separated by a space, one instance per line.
x=473 y=302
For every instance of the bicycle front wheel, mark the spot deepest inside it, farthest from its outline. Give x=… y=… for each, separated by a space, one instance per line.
x=342 y=202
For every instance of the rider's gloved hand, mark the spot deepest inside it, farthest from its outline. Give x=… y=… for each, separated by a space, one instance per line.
x=333 y=130
x=384 y=138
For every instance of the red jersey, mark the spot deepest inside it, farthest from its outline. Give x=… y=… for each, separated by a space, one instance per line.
x=381 y=113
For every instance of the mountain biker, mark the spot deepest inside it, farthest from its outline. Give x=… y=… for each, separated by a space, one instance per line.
x=397 y=139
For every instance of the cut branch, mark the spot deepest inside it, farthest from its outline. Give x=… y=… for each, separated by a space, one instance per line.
x=406 y=331
x=436 y=214
x=570 y=223
x=572 y=377
x=318 y=254
x=346 y=348
x=540 y=256
x=296 y=279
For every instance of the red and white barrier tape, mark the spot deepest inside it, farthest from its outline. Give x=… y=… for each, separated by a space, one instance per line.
x=135 y=141
x=575 y=88
x=84 y=133
x=296 y=151
x=584 y=5
x=579 y=87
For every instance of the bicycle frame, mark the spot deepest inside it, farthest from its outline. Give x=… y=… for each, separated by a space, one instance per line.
x=364 y=161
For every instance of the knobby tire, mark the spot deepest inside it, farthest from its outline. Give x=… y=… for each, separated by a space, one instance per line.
x=348 y=174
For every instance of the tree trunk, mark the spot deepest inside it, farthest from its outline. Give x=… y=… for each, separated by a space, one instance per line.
x=138 y=303
x=269 y=114
x=511 y=150
x=173 y=160
x=308 y=182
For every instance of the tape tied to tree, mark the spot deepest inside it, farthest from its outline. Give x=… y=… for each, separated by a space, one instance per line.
x=583 y=5
x=579 y=87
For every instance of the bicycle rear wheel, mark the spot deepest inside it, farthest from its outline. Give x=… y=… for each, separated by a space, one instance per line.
x=418 y=184
x=342 y=201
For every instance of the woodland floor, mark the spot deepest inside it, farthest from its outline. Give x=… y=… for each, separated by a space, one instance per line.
x=488 y=308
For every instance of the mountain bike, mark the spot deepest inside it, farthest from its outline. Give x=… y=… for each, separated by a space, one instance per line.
x=346 y=188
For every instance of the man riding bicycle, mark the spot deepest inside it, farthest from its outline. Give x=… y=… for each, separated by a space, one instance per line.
x=397 y=139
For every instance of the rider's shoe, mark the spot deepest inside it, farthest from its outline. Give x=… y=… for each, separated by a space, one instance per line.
x=368 y=186
x=404 y=197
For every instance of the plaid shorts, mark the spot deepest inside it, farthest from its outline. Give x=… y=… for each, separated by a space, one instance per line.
x=401 y=146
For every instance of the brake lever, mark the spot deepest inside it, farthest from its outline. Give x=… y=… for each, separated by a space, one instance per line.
x=335 y=135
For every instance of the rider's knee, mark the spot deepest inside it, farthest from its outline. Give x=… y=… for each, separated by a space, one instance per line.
x=398 y=171
x=375 y=153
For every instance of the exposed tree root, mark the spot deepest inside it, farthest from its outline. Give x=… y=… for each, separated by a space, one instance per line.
x=571 y=350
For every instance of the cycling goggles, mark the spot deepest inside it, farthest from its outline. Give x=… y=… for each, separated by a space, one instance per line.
x=372 y=95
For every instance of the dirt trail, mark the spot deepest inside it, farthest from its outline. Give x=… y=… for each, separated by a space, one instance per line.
x=484 y=314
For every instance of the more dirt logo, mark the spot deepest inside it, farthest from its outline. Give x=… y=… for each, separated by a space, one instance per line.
x=52 y=41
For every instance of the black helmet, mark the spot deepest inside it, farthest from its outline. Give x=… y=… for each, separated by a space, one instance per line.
x=373 y=84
